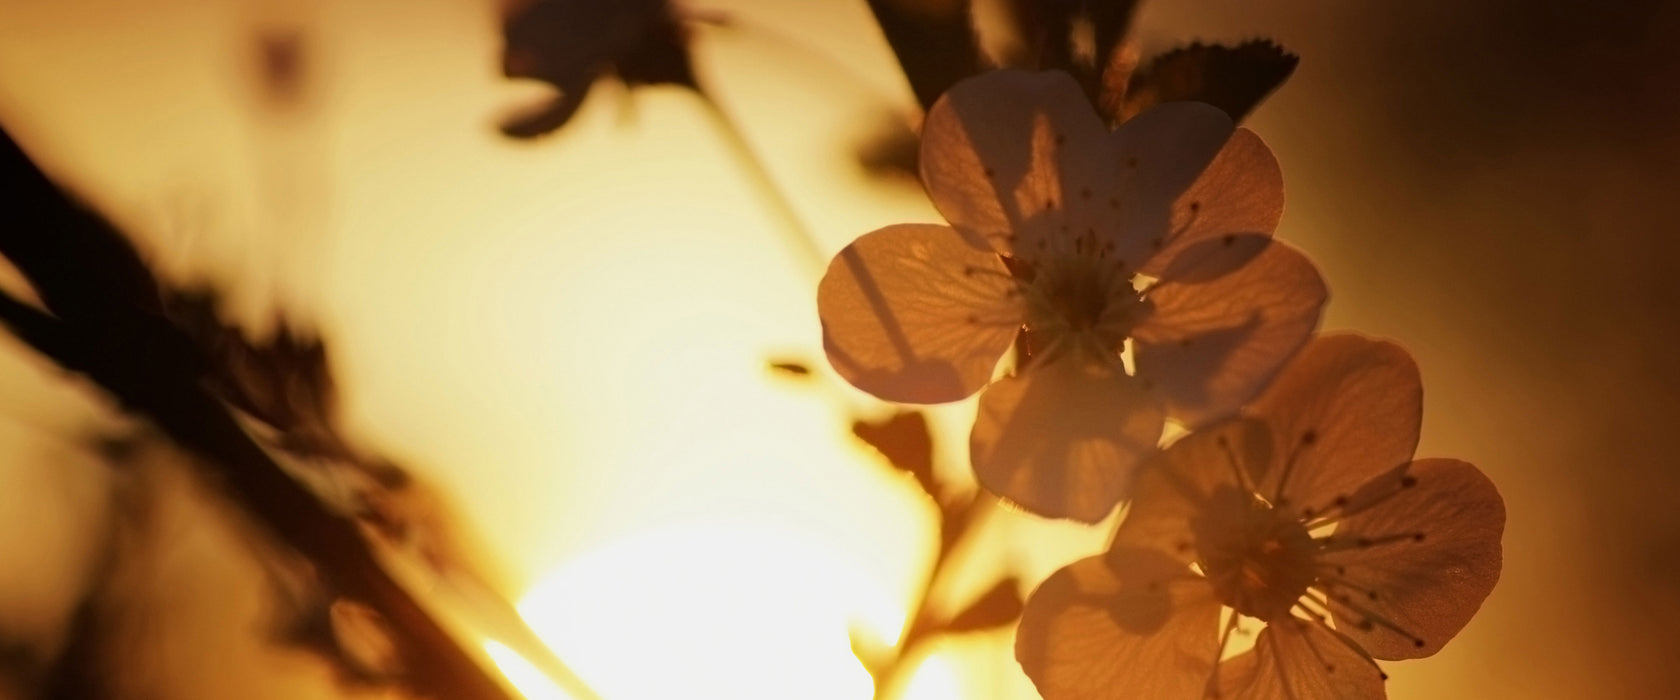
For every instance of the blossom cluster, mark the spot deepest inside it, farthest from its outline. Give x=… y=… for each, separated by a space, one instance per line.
x=1093 y=285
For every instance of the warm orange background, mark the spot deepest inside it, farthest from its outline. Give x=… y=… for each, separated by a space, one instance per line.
x=568 y=335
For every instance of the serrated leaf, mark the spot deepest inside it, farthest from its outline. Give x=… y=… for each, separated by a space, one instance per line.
x=1232 y=79
x=904 y=440
x=999 y=606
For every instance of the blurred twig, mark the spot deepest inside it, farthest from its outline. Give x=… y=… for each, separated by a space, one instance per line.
x=798 y=234
x=923 y=624
x=103 y=319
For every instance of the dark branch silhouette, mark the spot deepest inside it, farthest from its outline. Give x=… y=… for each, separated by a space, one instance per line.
x=104 y=319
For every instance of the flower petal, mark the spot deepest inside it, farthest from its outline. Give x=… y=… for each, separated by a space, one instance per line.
x=1147 y=628
x=1208 y=348
x=1157 y=156
x=913 y=313
x=1344 y=410
x=1239 y=194
x=1173 y=488
x=1431 y=555
x=1061 y=439
x=1002 y=151
x=1296 y=658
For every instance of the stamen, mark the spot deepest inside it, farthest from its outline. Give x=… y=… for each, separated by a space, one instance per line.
x=1236 y=465
x=1211 y=690
x=1376 y=492
x=1308 y=439
x=1335 y=579
x=1324 y=624
x=1341 y=543
x=1195 y=212
x=1368 y=620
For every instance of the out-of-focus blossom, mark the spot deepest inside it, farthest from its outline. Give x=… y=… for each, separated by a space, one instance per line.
x=571 y=43
x=1305 y=513
x=1135 y=267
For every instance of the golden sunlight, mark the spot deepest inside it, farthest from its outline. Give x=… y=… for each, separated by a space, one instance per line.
x=738 y=611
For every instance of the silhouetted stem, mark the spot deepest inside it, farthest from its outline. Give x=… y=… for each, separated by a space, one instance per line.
x=921 y=626
x=793 y=228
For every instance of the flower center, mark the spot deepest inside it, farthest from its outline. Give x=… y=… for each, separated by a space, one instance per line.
x=1082 y=301
x=1258 y=558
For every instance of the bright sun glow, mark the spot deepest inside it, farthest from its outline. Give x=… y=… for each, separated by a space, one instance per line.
x=728 y=611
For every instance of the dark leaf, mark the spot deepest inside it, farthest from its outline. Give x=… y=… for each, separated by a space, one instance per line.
x=904 y=440
x=107 y=322
x=891 y=150
x=790 y=368
x=933 y=40
x=997 y=607
x=284 y=381
x=1232 y=79
x=569 y=44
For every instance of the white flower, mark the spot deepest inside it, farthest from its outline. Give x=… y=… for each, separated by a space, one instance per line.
x=1078 y=242
x=1306 y=513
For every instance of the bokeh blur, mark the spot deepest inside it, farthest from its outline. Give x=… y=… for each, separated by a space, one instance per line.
x=568 y=336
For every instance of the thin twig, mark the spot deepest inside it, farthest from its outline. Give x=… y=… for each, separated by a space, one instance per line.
x=793 y=227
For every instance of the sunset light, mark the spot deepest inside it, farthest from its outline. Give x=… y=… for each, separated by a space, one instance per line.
x=836 y=350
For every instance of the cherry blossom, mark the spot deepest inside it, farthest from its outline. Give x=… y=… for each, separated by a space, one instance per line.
x=1132 y=270
x=1305 y=513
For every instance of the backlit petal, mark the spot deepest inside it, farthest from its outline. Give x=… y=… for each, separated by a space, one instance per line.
x=1004 y=152
x=1209 y=347
x=913 y=313
x=1145 y=628
x=1403 y=596
x=1344 y=410
x=1300 y=660
x=1240 y=194
x=1174 y=487
x=1061 y=439
x=1157 y=156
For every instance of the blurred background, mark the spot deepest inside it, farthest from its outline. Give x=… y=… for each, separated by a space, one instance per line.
x=569 y=336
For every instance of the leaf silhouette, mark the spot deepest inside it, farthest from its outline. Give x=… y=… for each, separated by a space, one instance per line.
x=797 y=369
x=999 y=606
x=904 y=440
x=933 y=40
x=571 y=43
x=1232 y=79
x=284 y=381
x=890 y=149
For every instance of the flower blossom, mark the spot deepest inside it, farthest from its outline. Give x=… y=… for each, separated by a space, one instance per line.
x=1133 y=270
x=1306 y=513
